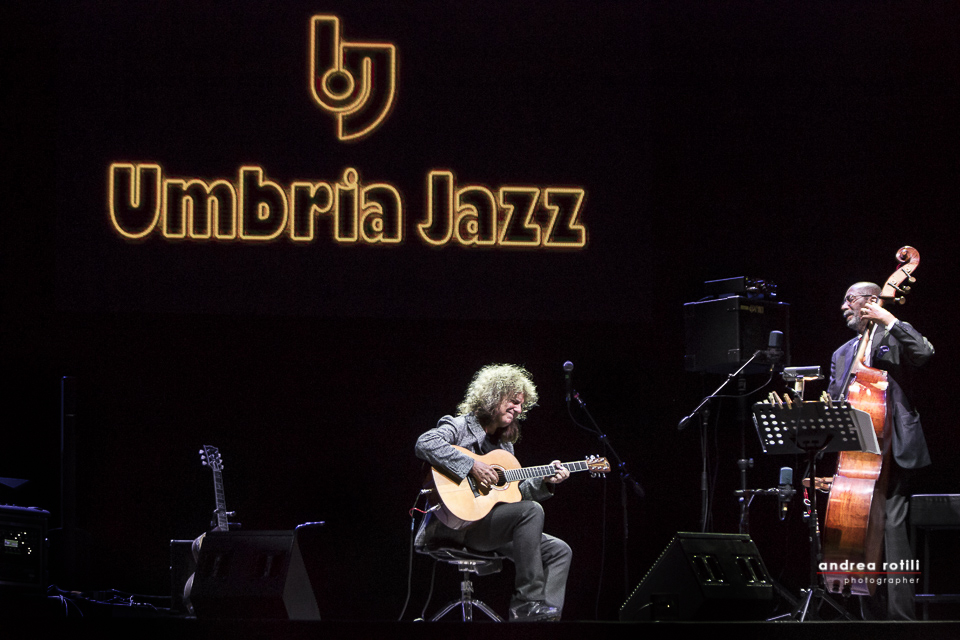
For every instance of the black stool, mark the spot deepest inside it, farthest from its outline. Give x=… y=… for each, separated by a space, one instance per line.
x=467 y=562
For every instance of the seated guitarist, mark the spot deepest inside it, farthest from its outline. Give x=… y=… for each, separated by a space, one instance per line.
x=489 y=418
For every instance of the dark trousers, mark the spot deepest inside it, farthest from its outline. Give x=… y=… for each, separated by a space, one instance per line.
x=895 y=601
x=542 y=561
x=896 y=545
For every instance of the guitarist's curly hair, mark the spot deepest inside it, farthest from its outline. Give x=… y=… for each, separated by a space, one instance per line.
x=492 y=384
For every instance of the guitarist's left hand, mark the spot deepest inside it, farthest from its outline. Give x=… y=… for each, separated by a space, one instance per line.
x=562 y=473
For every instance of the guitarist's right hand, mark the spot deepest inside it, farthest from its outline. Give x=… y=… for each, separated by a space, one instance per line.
x=484 y=473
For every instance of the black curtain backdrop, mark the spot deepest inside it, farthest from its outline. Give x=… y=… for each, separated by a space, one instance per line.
x=802 y=144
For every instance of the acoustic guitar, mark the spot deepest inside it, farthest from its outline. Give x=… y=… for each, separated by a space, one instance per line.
x=209 y=457
x=463 y=502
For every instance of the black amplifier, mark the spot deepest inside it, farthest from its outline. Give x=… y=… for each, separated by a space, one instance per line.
x=23 y=561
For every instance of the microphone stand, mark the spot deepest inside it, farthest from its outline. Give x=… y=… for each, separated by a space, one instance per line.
x=743 y=463
x=686 y=421
x=626 y=480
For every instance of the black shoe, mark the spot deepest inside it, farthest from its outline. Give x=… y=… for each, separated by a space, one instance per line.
x=534 y=612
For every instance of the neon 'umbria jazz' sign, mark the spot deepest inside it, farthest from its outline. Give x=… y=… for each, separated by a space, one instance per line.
x=356 y=83
x=144 y=202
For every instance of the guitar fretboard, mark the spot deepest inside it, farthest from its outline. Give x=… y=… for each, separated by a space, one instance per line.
x=223 y=524
x=512 y=475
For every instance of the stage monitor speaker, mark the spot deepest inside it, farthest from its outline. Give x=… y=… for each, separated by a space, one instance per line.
x=252 y=574
x=23 y=560
x=703 y=576
x=722 y=334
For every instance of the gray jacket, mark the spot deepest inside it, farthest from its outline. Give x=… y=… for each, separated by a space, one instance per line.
x=434 y=447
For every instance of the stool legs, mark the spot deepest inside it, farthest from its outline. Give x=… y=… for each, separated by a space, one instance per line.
x=467 y=602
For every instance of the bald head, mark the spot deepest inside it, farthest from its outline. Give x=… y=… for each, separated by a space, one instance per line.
x=866 y=288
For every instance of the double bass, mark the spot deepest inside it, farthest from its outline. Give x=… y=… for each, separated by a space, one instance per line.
x=856 y=508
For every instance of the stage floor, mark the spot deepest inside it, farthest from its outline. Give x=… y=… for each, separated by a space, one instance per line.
x=209 y=629
x=68 y=616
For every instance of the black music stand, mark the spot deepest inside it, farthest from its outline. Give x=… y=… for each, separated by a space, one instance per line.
x=813 y=428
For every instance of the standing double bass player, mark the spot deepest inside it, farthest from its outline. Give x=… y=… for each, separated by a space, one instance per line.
x=895 y=347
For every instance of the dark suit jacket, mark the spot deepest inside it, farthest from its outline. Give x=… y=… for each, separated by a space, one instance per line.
x=894 y=351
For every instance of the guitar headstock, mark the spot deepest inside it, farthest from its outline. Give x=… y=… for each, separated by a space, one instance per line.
x=597 y=465
x=210 y=457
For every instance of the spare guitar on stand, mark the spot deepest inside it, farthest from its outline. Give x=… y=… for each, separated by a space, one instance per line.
x=210 y=457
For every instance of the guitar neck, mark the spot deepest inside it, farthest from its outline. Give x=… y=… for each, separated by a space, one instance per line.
x=544 y=471
x=223 y=523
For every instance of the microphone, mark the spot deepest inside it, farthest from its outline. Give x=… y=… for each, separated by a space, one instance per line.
x=567 y=369
x=774 y=350
x=785 y=491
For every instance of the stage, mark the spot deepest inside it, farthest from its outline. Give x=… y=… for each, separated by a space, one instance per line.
x=293 y=231
x=145 y=617
x=190 y=629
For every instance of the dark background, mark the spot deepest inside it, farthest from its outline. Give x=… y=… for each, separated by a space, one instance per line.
x=799 y=144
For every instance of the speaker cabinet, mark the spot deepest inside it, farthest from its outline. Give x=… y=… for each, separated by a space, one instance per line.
x=23 y=559
x=703 y=576
x=722 y=334
x=252 y=574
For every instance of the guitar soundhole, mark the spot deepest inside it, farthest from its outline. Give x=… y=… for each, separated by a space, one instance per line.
x=501 y=478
